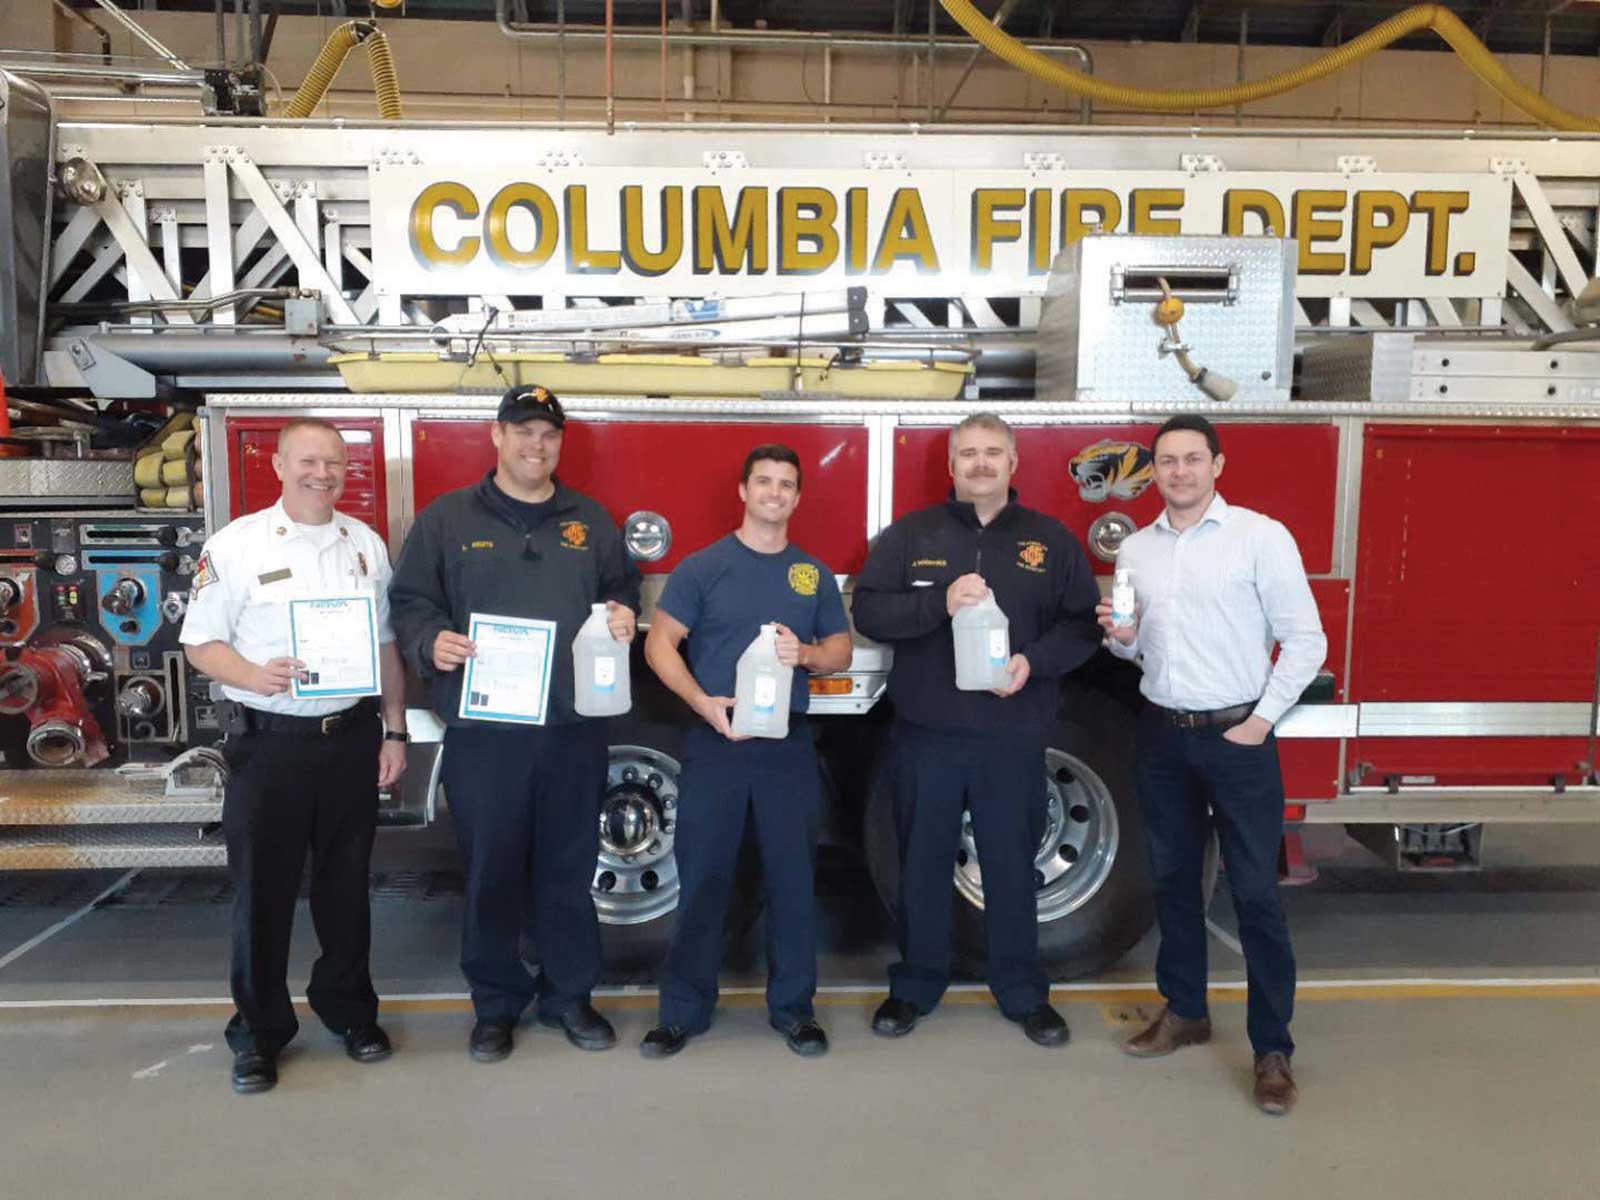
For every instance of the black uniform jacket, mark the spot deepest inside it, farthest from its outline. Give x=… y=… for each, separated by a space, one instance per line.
x=1042 y=581
x=471 y=551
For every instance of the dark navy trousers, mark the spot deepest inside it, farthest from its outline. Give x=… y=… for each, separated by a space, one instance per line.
x=937 y=775
x=1189 y=780
x=526 y=805
x=772 y=786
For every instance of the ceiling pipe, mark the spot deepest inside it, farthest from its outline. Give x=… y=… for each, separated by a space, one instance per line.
x=758 y=39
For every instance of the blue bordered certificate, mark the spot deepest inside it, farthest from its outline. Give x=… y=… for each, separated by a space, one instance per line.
x=337 y=639
x=508 y=679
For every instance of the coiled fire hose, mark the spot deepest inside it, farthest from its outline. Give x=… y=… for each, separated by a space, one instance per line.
x=331 y=57
x=1434 y=17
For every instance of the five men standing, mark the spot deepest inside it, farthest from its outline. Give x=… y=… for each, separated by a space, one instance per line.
x=953 y=750
x=1217 y=585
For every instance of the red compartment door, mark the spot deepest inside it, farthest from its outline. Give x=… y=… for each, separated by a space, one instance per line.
x=1476 y=581
x=686 y=471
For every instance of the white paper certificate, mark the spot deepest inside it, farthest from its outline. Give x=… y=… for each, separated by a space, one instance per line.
x=509 y=677
x=337 y=639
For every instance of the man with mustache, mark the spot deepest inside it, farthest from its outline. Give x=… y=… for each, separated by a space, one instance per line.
x=979 y=751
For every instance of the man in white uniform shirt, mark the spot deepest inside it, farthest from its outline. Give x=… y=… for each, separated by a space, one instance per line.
x=1216 y=586
x=304 y=773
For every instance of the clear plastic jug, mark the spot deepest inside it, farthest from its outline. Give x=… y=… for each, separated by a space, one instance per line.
x=983 y=646
x=761 y=692
x=599 y=669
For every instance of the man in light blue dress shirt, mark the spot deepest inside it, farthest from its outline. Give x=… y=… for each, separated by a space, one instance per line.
x=1216 y=585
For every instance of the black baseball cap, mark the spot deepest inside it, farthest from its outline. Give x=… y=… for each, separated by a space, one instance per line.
x=529 y=404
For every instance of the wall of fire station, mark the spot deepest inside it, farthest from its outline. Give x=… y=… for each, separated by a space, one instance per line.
x=462 y=70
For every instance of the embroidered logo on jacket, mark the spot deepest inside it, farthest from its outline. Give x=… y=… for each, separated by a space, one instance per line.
x=575 y=535
x=803 y=578
x=1030 y=556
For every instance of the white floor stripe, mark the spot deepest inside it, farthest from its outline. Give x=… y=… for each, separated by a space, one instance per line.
x=40 y=938
x=866 y=991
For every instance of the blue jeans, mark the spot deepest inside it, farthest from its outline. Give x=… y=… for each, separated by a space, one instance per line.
x=1181 y=774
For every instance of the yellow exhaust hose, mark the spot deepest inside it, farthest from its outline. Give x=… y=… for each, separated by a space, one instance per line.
x=331 y=57
x=1435 y=17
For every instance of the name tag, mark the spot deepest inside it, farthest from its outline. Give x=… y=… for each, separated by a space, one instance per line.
x=274 y=576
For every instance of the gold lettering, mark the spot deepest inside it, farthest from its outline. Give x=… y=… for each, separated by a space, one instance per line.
x=1145 y=201
x=459 y=200
x=855 y=230
x=581 y=258
x=806 y=214
x=1039 y=248
x=536 y=201
x=1312 y=226
x=1367 y=235
x=720 y=248
x=906 y=235
x=1077 y=205
x=988 y=227
x=1239 y=203
x=1440 y=207
x=640 y=259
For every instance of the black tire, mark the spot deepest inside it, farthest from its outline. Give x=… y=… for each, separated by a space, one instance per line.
x=1103 y=911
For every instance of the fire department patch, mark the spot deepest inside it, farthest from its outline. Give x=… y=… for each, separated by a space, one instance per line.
x=204 y=575
x=575 y=535
x=803 y=579
x=1030 y=556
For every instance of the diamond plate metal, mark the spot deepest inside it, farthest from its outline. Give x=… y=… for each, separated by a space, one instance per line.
x=36 y=848
x=67 y=481
x=1098 y=348
x=89 y=797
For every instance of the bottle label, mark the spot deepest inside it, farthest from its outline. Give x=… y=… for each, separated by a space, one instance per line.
x=999 y=647
x=766 y=697
x=1122 y=605
x=605 y=674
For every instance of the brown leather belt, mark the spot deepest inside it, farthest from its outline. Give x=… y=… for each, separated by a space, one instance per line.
x=1204 y=720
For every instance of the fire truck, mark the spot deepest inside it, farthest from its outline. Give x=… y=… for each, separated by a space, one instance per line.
x=1388 y=328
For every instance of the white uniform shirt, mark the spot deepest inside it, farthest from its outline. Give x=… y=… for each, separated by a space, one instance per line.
x=251 y=569
x=1211 y=602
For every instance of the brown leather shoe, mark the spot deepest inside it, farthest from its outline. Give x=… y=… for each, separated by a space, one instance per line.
x=1275 y=1089
x=1168 y=1032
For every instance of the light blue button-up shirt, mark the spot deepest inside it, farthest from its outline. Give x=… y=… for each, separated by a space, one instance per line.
x=1211 y=601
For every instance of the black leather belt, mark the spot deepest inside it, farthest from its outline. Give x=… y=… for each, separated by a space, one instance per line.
x=1204 y=720
x=269 y=722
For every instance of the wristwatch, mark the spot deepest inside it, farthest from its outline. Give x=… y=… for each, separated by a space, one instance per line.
x=396 y=735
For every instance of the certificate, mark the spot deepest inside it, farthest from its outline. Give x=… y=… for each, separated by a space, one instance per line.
x=508 y=679
x=337 y=639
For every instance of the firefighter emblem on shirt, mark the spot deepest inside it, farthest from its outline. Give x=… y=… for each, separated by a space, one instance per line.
x=1110 y=468
x=204 y=575
x=803 y=579
x=575 y=535
x=1030 y=556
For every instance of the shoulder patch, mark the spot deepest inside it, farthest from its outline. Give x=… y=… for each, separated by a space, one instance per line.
x=804 y=578
x=204 y=575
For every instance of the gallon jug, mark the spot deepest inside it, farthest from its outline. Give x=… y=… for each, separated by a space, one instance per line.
x=599 y=669
x=761 y=693
x=983 y=646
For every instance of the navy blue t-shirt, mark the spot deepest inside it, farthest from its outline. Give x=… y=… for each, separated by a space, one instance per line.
x=725 y=593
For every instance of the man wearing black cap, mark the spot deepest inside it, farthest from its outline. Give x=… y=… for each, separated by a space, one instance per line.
x=525 y=797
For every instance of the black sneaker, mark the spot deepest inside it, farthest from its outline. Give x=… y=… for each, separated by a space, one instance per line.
x=805 y=1038
x=491 y=1040
x=585 y=1028
x=254 y=1072
x=664 y=1041
x=895 y=1017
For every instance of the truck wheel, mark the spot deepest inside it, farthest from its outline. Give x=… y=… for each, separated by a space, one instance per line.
x=635 y=884
x=1091 y=869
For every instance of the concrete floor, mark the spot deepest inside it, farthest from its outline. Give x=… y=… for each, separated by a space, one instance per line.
x=1449 y=1032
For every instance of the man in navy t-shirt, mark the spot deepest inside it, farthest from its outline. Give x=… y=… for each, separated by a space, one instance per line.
x=714 y=605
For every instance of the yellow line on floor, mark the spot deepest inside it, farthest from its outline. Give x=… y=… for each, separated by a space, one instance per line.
x=635 y=999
